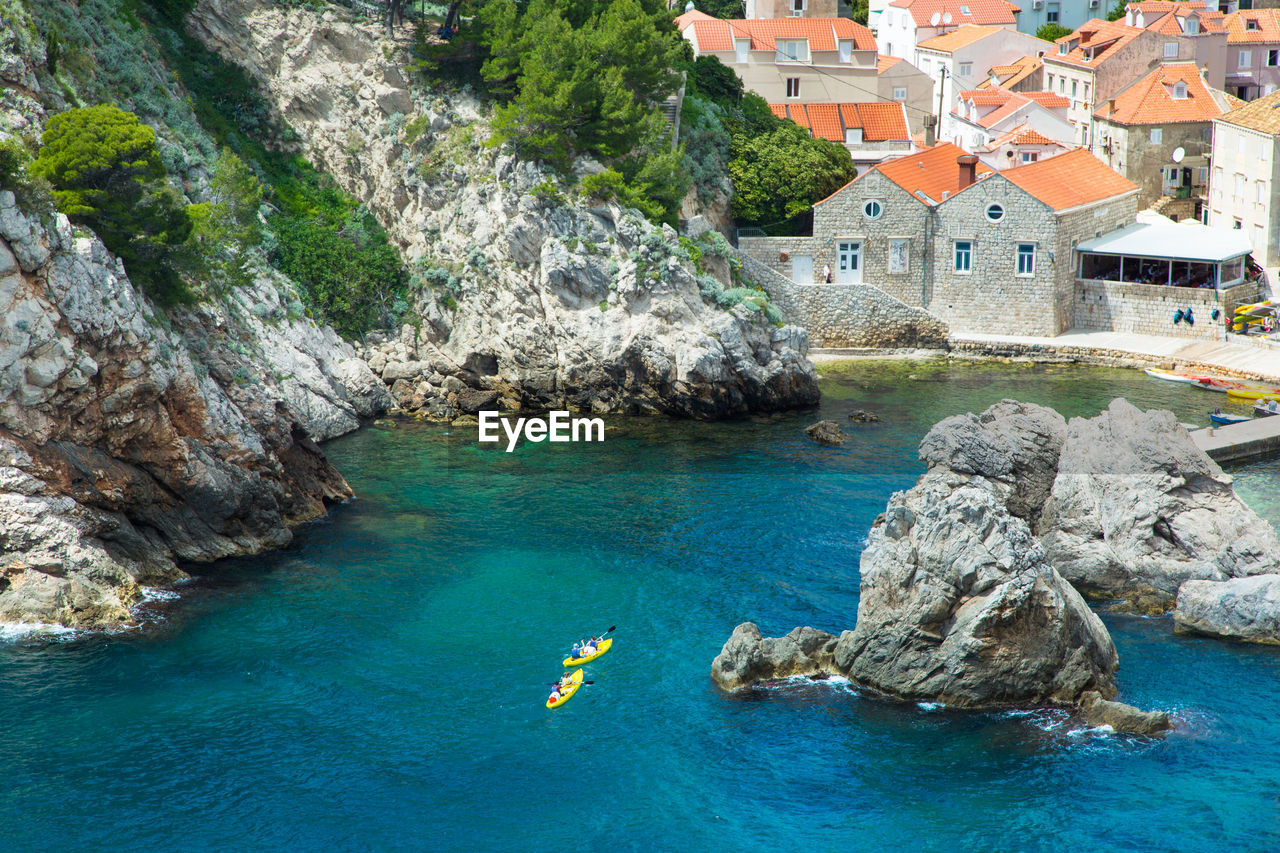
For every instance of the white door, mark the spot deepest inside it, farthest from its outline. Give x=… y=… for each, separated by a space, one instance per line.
x=802 y=269
x=849 y=262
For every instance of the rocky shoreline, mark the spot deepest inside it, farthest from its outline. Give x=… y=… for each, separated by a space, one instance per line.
x=971 y=581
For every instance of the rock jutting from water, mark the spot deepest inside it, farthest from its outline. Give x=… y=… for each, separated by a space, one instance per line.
x=129 y=442
x=827 y=432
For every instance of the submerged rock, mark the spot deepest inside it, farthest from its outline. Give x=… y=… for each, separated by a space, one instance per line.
x=748 y=657
x=1123 y=718
x=1137 y=510
x=827 y=432
x=861 y=416
x=1237 y=609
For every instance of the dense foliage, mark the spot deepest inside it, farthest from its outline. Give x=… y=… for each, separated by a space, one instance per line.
x=778 y=170
x=1052 y=32
x=106 y=173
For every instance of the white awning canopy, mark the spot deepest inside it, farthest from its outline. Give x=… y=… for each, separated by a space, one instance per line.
x=1179 y=241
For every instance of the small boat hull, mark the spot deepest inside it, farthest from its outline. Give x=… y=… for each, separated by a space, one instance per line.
x=1255 y=392
x=575 y=681
x=600 y=649
x=1224 y=418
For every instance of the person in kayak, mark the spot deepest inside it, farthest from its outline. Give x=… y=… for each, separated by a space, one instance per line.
x=588 y=649
x=577 y=649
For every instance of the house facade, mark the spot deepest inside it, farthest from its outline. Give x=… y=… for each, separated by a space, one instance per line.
x=1246 y=175
x=791 y=9
x=1018 y=147
x=984 y=115
x=1253 y=53
x=1200 y=34
x=872 y=131
x=900 y=25
x=1093 y=63
x=831 y=60
x=984 y=250
x=899 y=80
x=963 y=58
x=1157 y=131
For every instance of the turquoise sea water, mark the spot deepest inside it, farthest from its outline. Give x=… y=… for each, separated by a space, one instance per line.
x=380 y=683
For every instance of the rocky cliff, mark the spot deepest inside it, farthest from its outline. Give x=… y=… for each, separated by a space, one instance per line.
x=532 y=294
x=131 y=441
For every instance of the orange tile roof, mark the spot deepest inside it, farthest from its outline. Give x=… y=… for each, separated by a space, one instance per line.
x=884 y=63
x=1002 y=112
x=1048 y=100
x=986 y=97
x=1164 y=5
x=822 y=33
x=1262 y=114
x=958 y=38
x=880 y=121
x=1014 y=73
x=933 y=172
x=1267 y=21
x=1070 y=179
x=1022 y=135
x=982 y=12
x=1107 y=37
x=1150 y=100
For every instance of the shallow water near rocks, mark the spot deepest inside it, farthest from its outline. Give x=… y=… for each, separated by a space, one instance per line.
x=380 y=683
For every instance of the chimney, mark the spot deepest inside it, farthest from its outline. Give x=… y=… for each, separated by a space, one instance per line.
x=930 y=126
x=968 y=170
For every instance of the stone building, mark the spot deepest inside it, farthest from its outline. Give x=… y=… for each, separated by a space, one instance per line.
x=1157 y=131
x=1253 y=52
x=1246 y=175
x=982 y=250
x=1093 y=63
x=1200 y=33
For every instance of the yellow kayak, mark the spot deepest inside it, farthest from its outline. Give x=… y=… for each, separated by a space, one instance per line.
x=575 y=681
x=1253 y=393
x=600 y=649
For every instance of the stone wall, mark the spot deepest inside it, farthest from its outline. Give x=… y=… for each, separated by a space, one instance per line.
x=1146 y=309
x=849 y=315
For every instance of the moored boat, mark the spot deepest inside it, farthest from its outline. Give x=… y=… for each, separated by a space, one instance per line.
x=1222 y=418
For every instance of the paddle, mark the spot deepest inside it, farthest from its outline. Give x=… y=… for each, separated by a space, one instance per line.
x=554 y=683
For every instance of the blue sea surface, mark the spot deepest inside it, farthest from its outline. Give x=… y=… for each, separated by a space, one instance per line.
x=380 y=684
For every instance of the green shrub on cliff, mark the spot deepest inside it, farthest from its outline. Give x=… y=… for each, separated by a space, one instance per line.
x=106 y=173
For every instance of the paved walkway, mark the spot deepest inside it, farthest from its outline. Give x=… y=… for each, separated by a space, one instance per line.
x=1230 y=357
x=1258 y=437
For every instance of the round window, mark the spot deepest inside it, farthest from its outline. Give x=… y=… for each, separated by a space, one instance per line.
x=995 y=212
x=872 y=209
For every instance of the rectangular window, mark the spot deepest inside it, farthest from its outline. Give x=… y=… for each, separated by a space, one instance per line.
x=1075 y=88
x=1171 y=50
x=964 y=255
x=740 y=50
x=1237 y=224
x=797 y=8
x=1030 y=156
x=1259 y=192
x=846 y=51
x=900 y=93
x=966 y=69
x=1257 y=239
x=1062 y=85
x=1273 y=58
x=793 y=87
x=898 y=256
x=1051 y=16
x=1245 y=59
x=1086 y=95
x=1050 y=82
x=1239 y=188
x=1157 y=135
x=1026 y=259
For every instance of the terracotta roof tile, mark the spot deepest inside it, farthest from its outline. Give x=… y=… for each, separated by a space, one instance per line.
x=1267 y=22
x=933 y=172
x=1048 y=100
x=1103 y=38
x=982 y=12
x=986 y=97
x=880 y=121
x=884 y=63
x=1070 y=179
x=1023 y=135
x=1262 y=114
x=958 y=38
x=822 y=33
x=1146 y=6
x=1150 y=100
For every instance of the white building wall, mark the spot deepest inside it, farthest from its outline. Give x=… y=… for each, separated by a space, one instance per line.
x=1243 y=185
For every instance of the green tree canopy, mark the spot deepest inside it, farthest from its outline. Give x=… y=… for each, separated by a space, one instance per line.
x=781 y=174
x=1052 y=32
x=106 y=173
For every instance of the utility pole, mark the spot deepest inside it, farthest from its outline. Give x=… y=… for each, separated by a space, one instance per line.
x=942 y=82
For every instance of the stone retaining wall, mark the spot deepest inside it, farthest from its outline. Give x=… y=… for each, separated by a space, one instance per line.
x=1149 y=309
x=848 y=315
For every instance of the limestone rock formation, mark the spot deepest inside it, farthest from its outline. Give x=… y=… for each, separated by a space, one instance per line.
x=1137 y=510
x=1123 y=718
x=959 y=605
x=1238 y=609
x=131 y=441
x=748 y=657
x=827 y=432
x=551 y=301
x=862 y=416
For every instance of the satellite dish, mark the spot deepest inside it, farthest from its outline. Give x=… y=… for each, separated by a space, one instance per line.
x=1178 y=154
x=935 y=19
x=946 y=18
